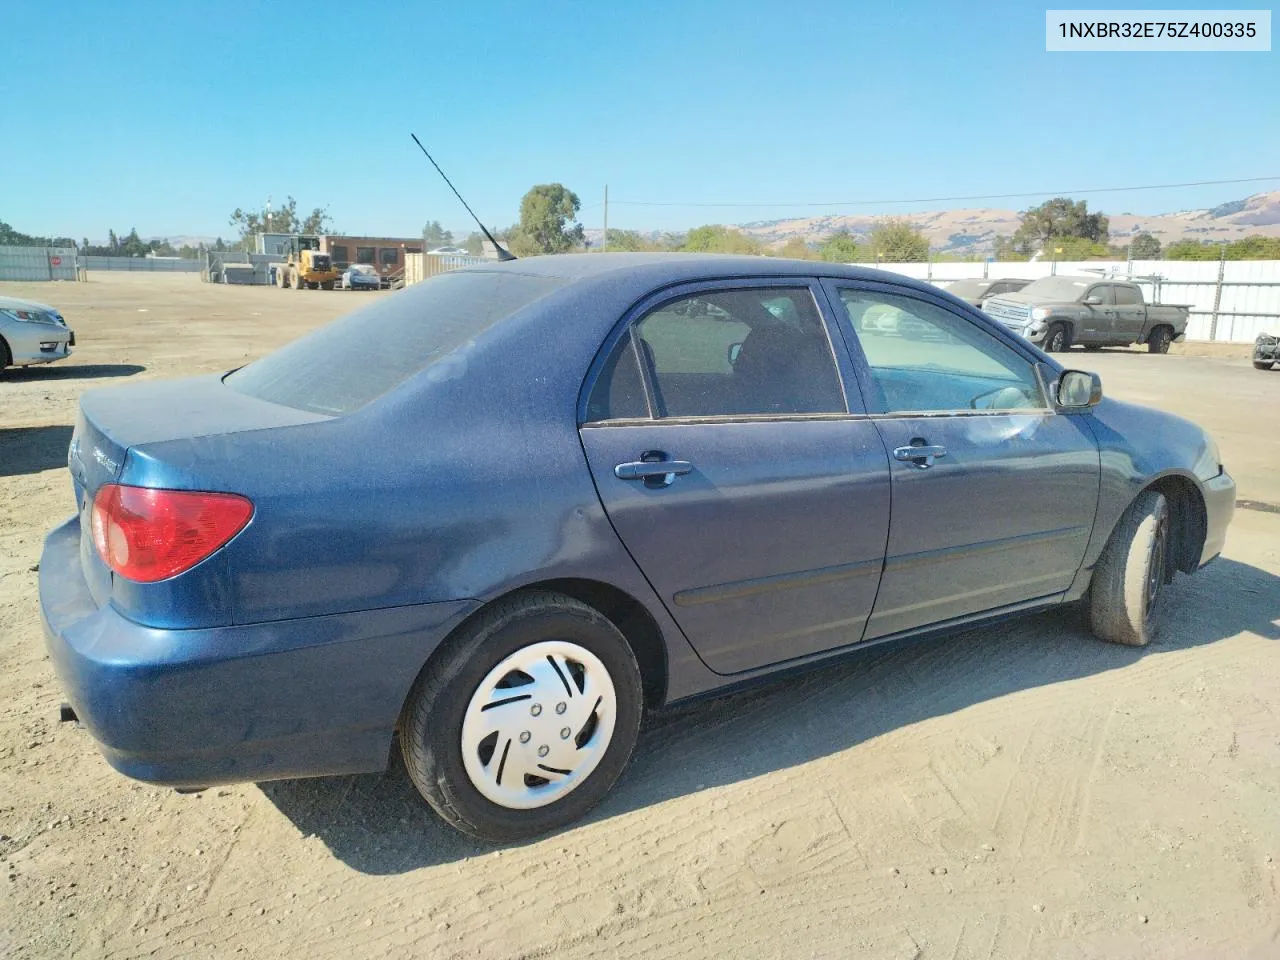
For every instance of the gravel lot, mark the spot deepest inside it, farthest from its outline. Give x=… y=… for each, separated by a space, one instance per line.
x=1022 y=791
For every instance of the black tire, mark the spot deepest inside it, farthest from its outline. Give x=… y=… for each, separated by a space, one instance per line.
x=1057 y=338
x=431 y=725
x=1131 y=573
x=1159 y=340
x=327 y=285
x=6 y=358
x=1263 y=364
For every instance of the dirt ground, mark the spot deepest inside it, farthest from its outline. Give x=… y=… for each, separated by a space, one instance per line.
x=1021 y=791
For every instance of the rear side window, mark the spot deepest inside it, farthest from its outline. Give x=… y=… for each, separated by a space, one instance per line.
x=730 y=353
x=618 y=393
x=361 y=356
x=1127 y=296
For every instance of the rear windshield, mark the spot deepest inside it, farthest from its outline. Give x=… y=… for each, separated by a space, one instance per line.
x=361 y=356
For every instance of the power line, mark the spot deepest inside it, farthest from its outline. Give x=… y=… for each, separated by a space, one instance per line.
x=976 y=196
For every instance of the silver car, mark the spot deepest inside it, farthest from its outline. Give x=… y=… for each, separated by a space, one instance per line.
x=32 y=332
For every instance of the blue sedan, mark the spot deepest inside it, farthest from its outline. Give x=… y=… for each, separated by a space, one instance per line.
x=553 y=494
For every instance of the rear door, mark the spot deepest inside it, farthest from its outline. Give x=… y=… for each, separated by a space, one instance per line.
x=993 y=492
x=722 y=443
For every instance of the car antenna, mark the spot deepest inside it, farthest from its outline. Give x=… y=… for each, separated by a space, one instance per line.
x=503 y=253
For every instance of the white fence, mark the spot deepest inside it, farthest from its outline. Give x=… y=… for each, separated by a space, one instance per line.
x=419 y=266
x=1231 y=300
x=37 y=263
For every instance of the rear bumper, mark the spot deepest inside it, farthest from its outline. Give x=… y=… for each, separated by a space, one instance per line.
x=194 y=708
x=1219 y=506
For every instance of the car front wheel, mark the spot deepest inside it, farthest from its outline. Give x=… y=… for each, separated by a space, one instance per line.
x=1130 y=575
x=526 y=720
x=1057 y=338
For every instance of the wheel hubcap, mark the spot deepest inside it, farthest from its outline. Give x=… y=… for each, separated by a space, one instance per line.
x=538 y=724
x=1155 y=567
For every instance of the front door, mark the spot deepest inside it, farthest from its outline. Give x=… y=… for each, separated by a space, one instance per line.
x=994 y=493
x=721 y=443
x=1130 y=314
x=1098 y=321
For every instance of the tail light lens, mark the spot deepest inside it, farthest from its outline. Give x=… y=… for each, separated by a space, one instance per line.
x=148 y=535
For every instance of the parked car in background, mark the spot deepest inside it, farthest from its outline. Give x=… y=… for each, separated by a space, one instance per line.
x=32 y=332
x=976 y=291
x=361 y=276
x=1266 y=351
x=450 y=252
x=557 y=493
x=1059 y=312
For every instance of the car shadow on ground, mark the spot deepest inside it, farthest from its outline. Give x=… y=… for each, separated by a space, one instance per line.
x=26 y=450
x=83 y=371
x=377 y=824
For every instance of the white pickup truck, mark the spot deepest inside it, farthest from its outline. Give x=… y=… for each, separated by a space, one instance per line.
x=1058 y=312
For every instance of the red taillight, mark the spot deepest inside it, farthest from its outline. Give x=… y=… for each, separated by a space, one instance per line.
x=149 y=535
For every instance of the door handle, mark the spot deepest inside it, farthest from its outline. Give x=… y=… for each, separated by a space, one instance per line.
x=653 y=468
x=920 y=455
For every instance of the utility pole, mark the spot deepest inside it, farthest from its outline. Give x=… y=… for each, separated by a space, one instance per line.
x=604 y=244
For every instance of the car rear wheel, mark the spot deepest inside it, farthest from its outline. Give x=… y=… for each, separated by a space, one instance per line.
x=1130 y=575
x=1159 y=340
x=6 y=358
x=1057 y=338
x=526 y=720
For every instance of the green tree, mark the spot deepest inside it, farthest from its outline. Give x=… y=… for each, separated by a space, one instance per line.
x=627 y=241
x=719 y=239
x=548 y=221
x=796 y=249
x=1254 y=248
x=284 y=219
x=434 y=235
x=1144 y=247
x=475 y=243
x=10 y=237
x=1055 y=219
x=1192 y=250
x=894 y=240
x=840 y=247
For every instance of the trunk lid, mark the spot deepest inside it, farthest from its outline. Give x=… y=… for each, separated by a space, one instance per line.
x=113 y=420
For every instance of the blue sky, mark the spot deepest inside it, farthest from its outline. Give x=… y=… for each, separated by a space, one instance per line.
x=165 y=117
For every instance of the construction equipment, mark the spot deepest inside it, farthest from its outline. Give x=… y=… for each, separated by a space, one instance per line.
x=306 y=267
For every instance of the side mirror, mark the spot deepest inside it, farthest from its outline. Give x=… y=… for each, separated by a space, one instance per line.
x=1078 y=390
x=734 y=350
x=1091 y=301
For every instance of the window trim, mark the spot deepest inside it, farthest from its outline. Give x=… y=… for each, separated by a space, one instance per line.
x=1100 y=286
x=862 y=366
x=638 y=311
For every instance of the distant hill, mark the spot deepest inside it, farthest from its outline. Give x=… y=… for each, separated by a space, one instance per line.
x=974 y=230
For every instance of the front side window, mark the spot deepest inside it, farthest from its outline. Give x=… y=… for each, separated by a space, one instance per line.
x=926 y=359
x=1104 y=293
x=725 y=353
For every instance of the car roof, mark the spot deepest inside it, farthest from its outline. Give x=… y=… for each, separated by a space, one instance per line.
x=675 y=267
